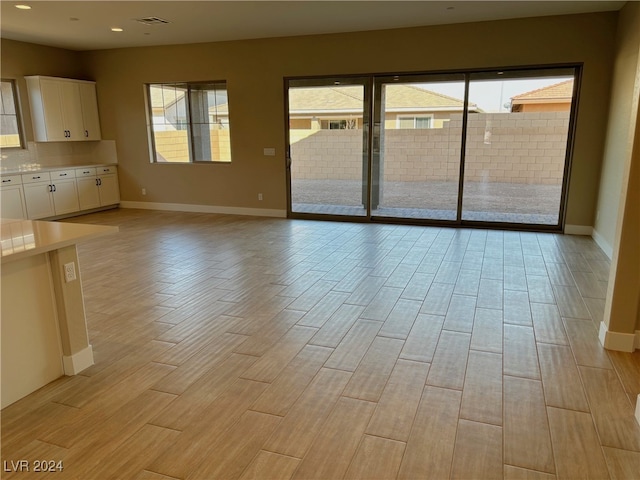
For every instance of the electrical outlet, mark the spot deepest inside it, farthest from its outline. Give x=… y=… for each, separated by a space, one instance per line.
x=260 y=196
x=69 y=272
x=144 y=191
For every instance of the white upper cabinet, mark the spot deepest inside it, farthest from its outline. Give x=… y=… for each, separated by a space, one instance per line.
x=63 y=109
x=89 y=102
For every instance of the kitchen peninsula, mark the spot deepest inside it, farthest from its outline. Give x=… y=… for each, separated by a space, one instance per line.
x=43 y=329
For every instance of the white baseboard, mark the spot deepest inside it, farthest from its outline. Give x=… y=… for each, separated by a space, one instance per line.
x=578 y=230
x=621 y=342
x=603 y=244
x=78 y=362
x=637 y=344
x=638 y=409
x=184 y=207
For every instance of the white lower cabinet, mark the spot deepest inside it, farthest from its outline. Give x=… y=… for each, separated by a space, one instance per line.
x=38 y=196
x=12 y=197
x=88 y=194
x=64 y=191
x=97 y=187
x=108 y=186
x=59 y=192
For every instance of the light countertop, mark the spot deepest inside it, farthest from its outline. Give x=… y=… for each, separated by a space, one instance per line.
x=24 y=238
x=35 y=167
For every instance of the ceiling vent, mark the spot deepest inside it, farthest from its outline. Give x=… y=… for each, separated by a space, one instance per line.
x=152 y=20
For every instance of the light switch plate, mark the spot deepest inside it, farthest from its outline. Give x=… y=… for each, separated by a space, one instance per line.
x=270 y=152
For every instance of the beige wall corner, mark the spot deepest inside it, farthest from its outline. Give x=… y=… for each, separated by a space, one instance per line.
x=70 y=303
x=623 y=293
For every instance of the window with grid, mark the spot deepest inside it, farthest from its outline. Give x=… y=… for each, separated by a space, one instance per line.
x=189 y=122
x=414 y=122
x=10 y=132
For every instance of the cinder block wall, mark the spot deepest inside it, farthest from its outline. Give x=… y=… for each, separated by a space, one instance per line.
x=173 y=146
x=501 y=147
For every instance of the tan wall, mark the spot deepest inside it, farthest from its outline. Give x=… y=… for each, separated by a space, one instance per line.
x=254 y=70
x=523 y=148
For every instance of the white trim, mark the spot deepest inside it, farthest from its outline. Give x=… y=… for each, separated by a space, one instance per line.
x=578 y=230
x=637 y=343
x=638 y=409
x=78 y=362
x=620 y=342
x=603 y=244
x=184 y=207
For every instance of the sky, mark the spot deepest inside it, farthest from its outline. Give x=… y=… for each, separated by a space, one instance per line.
x=492 y=95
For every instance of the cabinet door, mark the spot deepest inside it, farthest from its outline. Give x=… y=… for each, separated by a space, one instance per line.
x=90 y=116
x=72 y=110
x=88 y=194
x=65 y=196
x=52 y=110
x=12 y=202
x=37 y=197
x=109 y=192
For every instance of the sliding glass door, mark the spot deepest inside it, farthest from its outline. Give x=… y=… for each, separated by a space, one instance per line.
x=466 y=148
x=416 y=146
x=516 y=146
x=328 y=146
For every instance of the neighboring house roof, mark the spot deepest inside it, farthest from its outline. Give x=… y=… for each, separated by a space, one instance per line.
x=348 y=99
x=556 y=93
x=408 y=97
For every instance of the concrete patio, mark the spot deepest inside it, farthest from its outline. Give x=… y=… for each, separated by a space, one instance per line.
x=491 y=202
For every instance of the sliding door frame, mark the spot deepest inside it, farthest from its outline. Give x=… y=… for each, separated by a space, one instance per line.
x=371 y=96
x=326 y=81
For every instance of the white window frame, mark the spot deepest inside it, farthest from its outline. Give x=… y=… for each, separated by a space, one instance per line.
x=415 y=117
x=16 y=114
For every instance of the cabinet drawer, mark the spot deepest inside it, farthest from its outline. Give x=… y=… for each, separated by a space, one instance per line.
x=106 y=170
x=60 y=174
x=11 y=180
x=36 y=177
x=86 y=172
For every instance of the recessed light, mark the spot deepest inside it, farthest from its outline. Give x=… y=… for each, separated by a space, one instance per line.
x=117 y=29
x=23 y=7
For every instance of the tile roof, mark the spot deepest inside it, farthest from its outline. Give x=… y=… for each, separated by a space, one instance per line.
x=349 y=99
x=557 y=91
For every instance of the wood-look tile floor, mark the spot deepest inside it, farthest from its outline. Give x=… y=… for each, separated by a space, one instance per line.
x=236 y=347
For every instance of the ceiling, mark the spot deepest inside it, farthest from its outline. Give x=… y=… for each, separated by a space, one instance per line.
x=86 y=25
